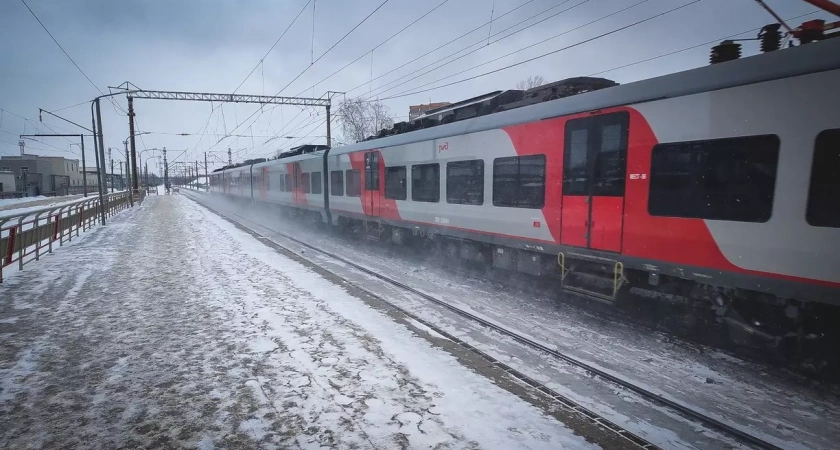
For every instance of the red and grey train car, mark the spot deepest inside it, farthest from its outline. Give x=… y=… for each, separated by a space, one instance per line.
x=722 y=181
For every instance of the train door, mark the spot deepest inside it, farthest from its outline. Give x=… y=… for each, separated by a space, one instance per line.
x=594 y=174
x=263 y=182
x=298 y=197
x=372 y=193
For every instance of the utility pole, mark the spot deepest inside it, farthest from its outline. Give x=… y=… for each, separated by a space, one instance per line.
x=230 y=157
x=95 y=131
x=206 y=177
x=84 y=174
x=112 y=169
x=196 y=174
x=146 y=173
x=128 y=177
x=165 y=171
x=134 y=179
x=101 y=155
x=329 y=138
x=122 y=180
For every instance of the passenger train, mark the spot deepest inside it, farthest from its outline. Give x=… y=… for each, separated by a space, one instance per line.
x=720 y=183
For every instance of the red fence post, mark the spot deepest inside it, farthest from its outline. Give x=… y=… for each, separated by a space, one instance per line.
x=11 y=246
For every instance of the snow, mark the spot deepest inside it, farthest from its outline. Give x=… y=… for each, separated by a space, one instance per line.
x=5 y=202
x=58 y=202
x=171 y=326
x=775 y=405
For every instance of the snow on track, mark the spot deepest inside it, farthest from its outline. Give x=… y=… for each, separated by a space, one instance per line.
x=169 y=326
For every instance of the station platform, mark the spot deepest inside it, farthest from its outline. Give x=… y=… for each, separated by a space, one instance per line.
x=170 y=327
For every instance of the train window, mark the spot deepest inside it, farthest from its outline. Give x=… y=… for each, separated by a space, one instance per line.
x=372 y=171
x=317 y=188
x=465 y=182
x=519 y=181
x=337 y=183
x=576 y=178
x=281 y=185
x=595 y=156
x=304 y=182
x=425 y=183
x=721 y=179
x=354 y=183
x=610 y=165
x=824 y=190
x=288 y=182
x=395 y=179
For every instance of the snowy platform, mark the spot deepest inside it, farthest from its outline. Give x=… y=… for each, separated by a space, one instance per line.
x=171 y=327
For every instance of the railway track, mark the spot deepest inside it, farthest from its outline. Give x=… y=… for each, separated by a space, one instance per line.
x=682 y=409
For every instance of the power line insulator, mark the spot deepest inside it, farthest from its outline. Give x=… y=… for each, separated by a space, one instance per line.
x=725 y=51
x=771 y=37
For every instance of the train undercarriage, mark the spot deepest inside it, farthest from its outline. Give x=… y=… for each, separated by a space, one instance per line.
x=794 y=333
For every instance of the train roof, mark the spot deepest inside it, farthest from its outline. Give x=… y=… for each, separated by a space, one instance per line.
x=804 y=59
x=318 y=154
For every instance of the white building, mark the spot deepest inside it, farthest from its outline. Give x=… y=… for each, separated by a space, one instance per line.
x=7 y=181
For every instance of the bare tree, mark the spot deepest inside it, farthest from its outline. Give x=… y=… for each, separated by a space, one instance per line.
x=530 y=83
x=361 y=118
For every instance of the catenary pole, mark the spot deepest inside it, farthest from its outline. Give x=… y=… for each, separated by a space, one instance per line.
x=101 y=156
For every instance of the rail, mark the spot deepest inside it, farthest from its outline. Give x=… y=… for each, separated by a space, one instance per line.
x=24 y=237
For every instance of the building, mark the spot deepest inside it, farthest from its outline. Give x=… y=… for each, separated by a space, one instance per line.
x=7 y=182
x=43 y=175
x=416 y=111
x=115 y=180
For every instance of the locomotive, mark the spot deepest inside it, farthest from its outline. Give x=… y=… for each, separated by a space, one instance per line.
x=719 y=185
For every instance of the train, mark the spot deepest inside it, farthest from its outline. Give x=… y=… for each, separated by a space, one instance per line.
x=719 y=184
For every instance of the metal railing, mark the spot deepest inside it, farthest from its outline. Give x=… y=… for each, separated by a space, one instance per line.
x=24 y=237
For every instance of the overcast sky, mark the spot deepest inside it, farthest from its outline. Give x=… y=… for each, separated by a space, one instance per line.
x=212 y=45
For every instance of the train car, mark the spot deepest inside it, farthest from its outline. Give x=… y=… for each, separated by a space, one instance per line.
x=718 y=183
x=296 y=182
x=696 y=180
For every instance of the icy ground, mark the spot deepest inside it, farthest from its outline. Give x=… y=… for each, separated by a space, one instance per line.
x=783 y=408
x=169 y=327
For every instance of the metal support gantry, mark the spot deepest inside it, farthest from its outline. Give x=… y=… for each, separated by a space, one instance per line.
x=230 y=98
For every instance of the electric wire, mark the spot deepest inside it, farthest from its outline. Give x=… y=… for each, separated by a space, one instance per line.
x=402 y=79
x=576 y=44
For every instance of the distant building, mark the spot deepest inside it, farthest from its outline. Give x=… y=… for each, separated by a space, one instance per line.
x=38 y=175
x=416 y=111
x=111 y=179
x=7 y=182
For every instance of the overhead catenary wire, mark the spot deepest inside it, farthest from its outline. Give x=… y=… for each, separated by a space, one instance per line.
x=111 y=100
x=332 y=47
x=671 y=52
x=522 y=48
x=439 y=5
x=576 y=44
x=307 y=68
x=62 y=48
x=397 y=33
x=37 y=125
x=86 y=102
x=428 y=70
x=692 y=47
x=377 y=46
x=260 y=64
x=442 y=45
x=273 y=45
